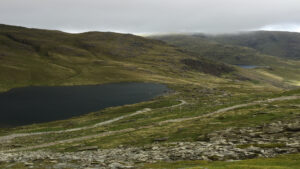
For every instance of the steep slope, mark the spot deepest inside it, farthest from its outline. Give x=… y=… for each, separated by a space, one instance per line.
x=281 y=44
x=43 y=57
x=216 y=108
x=218 y=49
x=202 y=46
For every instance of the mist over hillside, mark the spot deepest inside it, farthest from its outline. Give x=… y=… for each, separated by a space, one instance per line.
x=275 y=52
x=276 y=43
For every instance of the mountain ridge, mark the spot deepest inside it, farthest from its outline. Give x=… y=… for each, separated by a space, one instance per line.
x=46 y=57
x=221 y=49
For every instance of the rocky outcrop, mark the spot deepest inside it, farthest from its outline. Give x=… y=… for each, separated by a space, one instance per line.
x=266 y=140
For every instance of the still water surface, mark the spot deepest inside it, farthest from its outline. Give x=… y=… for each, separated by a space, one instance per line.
x=29 y=105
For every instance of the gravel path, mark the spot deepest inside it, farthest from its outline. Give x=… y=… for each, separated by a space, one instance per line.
x=232 y=108
x=134 y=129
x=12 y=136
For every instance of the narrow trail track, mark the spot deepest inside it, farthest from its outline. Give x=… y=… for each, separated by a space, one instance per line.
x=12 y=136
x=223 y=110
x=232 y=108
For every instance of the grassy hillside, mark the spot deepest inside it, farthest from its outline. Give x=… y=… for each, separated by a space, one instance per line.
x=201 y=46
x=282 y=162
x=43 y=57
x=222 y=48
x=281 y=44
x=214 y=107
x=275 y=43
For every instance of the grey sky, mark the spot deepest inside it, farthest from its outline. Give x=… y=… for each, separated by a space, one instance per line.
x=153 y=16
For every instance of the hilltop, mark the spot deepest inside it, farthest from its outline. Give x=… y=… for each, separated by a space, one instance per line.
x=45 y=57
x=276 y=43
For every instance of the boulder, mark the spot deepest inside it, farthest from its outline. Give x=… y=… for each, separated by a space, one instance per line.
x=161 y=139
x=293 y=127
x=203 y=138
x=88 y=148
x=273 y=129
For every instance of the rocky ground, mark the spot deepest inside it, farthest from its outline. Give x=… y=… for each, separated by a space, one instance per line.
x=267 y=140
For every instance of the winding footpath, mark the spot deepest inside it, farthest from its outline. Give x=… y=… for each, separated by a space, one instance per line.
x=223 y=110
x=12 y=136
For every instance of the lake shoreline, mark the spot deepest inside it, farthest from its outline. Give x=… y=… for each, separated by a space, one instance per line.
x=72 y=99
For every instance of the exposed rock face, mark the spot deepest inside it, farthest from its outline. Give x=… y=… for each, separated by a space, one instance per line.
x=230 y=144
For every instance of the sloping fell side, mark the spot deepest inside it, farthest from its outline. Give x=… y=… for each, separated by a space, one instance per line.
x=47 y=57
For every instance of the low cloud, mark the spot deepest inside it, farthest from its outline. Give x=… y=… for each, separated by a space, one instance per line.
x=151 y=16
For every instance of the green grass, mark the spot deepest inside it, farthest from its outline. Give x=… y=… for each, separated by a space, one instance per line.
x=280 y=162
x=43 y=57
x=281 y=44
x=271 y=145
x=40 y=57
x=183 y=131
x=235 y=50
x=200 y=101
x=92 y=118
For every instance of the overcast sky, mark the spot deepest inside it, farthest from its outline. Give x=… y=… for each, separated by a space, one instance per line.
x=153 y=16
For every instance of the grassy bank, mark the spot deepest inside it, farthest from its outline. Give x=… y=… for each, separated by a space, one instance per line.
x=281 y=162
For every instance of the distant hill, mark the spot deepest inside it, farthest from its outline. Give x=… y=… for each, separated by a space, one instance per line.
x=275 y=52
x=45 y=57
x=282 y=44
x=204 y=46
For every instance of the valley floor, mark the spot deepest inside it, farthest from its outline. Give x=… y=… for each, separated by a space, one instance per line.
x=193 y=127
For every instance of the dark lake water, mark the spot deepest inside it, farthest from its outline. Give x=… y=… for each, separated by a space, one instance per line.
x=29 y=105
